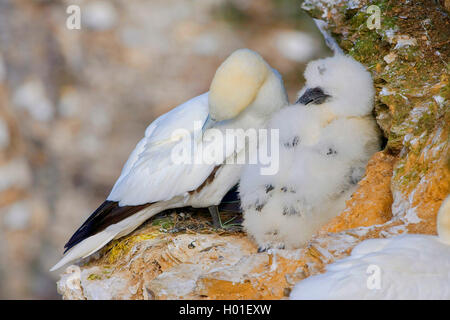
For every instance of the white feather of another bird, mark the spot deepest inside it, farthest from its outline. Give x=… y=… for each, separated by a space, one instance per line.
x=409 y=266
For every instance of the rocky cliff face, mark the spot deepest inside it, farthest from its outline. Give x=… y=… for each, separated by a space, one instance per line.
x=408 y=56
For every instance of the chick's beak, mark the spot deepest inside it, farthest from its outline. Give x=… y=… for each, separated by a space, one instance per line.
x=314 y=96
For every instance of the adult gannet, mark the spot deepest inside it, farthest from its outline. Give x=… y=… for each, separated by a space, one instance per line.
x=410 y=266
x=244 y=92
x=326 y=140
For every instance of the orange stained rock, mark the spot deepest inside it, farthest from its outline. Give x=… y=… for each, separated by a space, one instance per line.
x=263 y=284
x=425 y=179
x=266 y=281
x=429 y=194
x=371 y=203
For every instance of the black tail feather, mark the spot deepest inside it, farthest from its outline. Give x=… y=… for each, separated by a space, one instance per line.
x=108 y=213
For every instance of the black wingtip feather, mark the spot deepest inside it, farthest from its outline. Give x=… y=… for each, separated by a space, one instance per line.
x=108 y=213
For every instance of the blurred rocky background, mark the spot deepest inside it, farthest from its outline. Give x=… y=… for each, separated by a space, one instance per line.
x=73 y=103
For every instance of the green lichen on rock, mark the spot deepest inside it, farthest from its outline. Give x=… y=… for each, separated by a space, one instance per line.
x=93 y=277
x=165 y=223
x=408 y=57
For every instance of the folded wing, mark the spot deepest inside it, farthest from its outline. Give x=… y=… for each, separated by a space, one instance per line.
x=150 y=174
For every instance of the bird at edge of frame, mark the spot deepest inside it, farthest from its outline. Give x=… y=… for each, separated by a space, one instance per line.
x=404 y=267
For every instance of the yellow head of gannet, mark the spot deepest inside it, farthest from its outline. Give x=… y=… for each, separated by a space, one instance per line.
x=242 y=81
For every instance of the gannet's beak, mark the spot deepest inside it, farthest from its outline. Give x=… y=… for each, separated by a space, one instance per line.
x=208 y=123
x=314 y=95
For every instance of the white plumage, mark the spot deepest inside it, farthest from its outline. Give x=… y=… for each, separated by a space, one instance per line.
x=326 y=140
x=244 y=93
x=149 y=170
x=408 y=266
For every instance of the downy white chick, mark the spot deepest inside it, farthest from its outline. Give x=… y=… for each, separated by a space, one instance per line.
x=326 y=140
x=411 y=266
x=244 y=93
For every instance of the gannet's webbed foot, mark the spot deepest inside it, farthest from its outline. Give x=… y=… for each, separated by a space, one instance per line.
x=215 y=215
x=229 y=225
